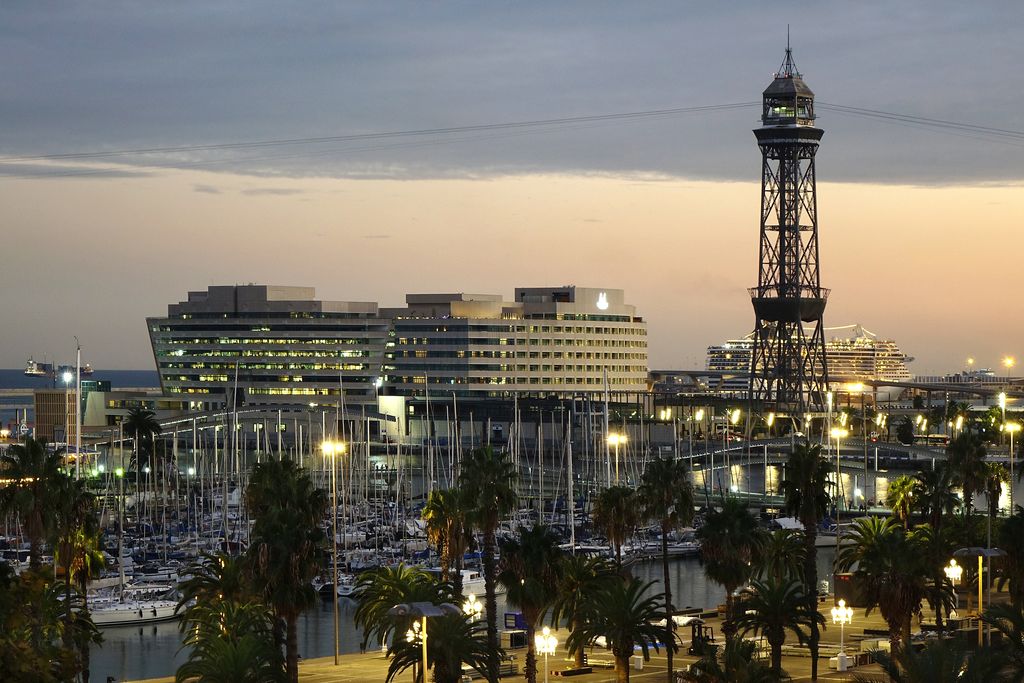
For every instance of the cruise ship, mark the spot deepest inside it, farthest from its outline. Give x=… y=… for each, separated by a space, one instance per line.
x=854 y=354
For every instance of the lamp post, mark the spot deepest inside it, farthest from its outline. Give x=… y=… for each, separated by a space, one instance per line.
x=859 y=388
x=119 y=472
x=842 y=615
x=472 y=607
x=1002 y=407
x=699 y=417
x=828 y=417
x=838 y=433
x=330 y=449
x=1011 y=428
x=733 y=418
x=417 y=633
x=67 y=376
x=953 y=572
x=420 y=611
x=982 y=554
x=614 y=440
x=770 y=421
x=546 y=643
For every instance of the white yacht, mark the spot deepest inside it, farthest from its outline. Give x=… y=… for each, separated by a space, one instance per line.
x=134 y=605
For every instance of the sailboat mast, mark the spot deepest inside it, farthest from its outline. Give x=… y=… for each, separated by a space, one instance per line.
x=607 y=446
x=572 y=496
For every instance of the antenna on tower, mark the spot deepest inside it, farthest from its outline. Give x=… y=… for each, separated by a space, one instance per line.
x=788 y=68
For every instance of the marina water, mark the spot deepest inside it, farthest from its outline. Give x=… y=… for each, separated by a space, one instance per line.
x=133 y=653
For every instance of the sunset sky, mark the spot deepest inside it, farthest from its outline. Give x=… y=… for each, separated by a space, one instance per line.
x=919 y=224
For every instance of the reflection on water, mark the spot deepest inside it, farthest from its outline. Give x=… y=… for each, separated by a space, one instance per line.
x=131 y=653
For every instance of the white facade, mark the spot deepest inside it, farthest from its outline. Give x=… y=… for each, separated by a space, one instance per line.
x=547 y=341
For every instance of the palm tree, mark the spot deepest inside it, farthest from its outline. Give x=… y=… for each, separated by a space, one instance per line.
x=937 y=546
x=934 y=495
x=939 y=661
x=1010 y=538
x=453 y=641
x=285 y=543
x=487 y=479
x=891 y=564
x=1008 y=620
x=770 y=608
x=966 y=457
x=29 y=472
x=905 y=431
x=666 y=496
x=32 y=620
x=580 y=578
x=616 y=515
x=529 y=571
x=215 y=578
x=622 y=616
x=230 y=641
x=445 y=518
x=996 y=475
x=806 y=489
x=141 y=425
x=782 y=555
x=76 y=551
x=729 y=544
x=901 y=494
x=378 y=590
x=735 y=663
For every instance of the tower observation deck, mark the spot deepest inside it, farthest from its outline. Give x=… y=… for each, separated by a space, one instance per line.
x=789 y=368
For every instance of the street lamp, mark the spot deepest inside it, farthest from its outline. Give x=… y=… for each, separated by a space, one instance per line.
x=418 y=634
x=953 y=572
x=420 y=611
x=982 y=554
x=859 y=388
x=546 y=644
x=67 y=376
x=699 y=417
x=472 y=607
x=733 y=417
x=119 y=473
x=838 y=433
x=1008 y=363
x=842 y=615
x=1011 y=428
x=614 y=440
x=330 y=449
x=828 y=417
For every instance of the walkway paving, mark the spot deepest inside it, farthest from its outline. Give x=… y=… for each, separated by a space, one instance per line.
x=372 y=666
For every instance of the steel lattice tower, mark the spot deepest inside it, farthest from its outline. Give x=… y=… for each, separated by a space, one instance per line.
x=788 y=366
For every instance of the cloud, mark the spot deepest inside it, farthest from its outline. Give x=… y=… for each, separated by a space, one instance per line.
x=30 y=171
x=207 y=189
x=278 y=191
x=231 y=72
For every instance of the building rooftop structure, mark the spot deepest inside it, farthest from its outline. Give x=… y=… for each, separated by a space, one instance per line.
x=547 y=341
x=266 y=344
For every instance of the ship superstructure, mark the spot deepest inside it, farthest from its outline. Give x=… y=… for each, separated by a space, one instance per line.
x=855 y=356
